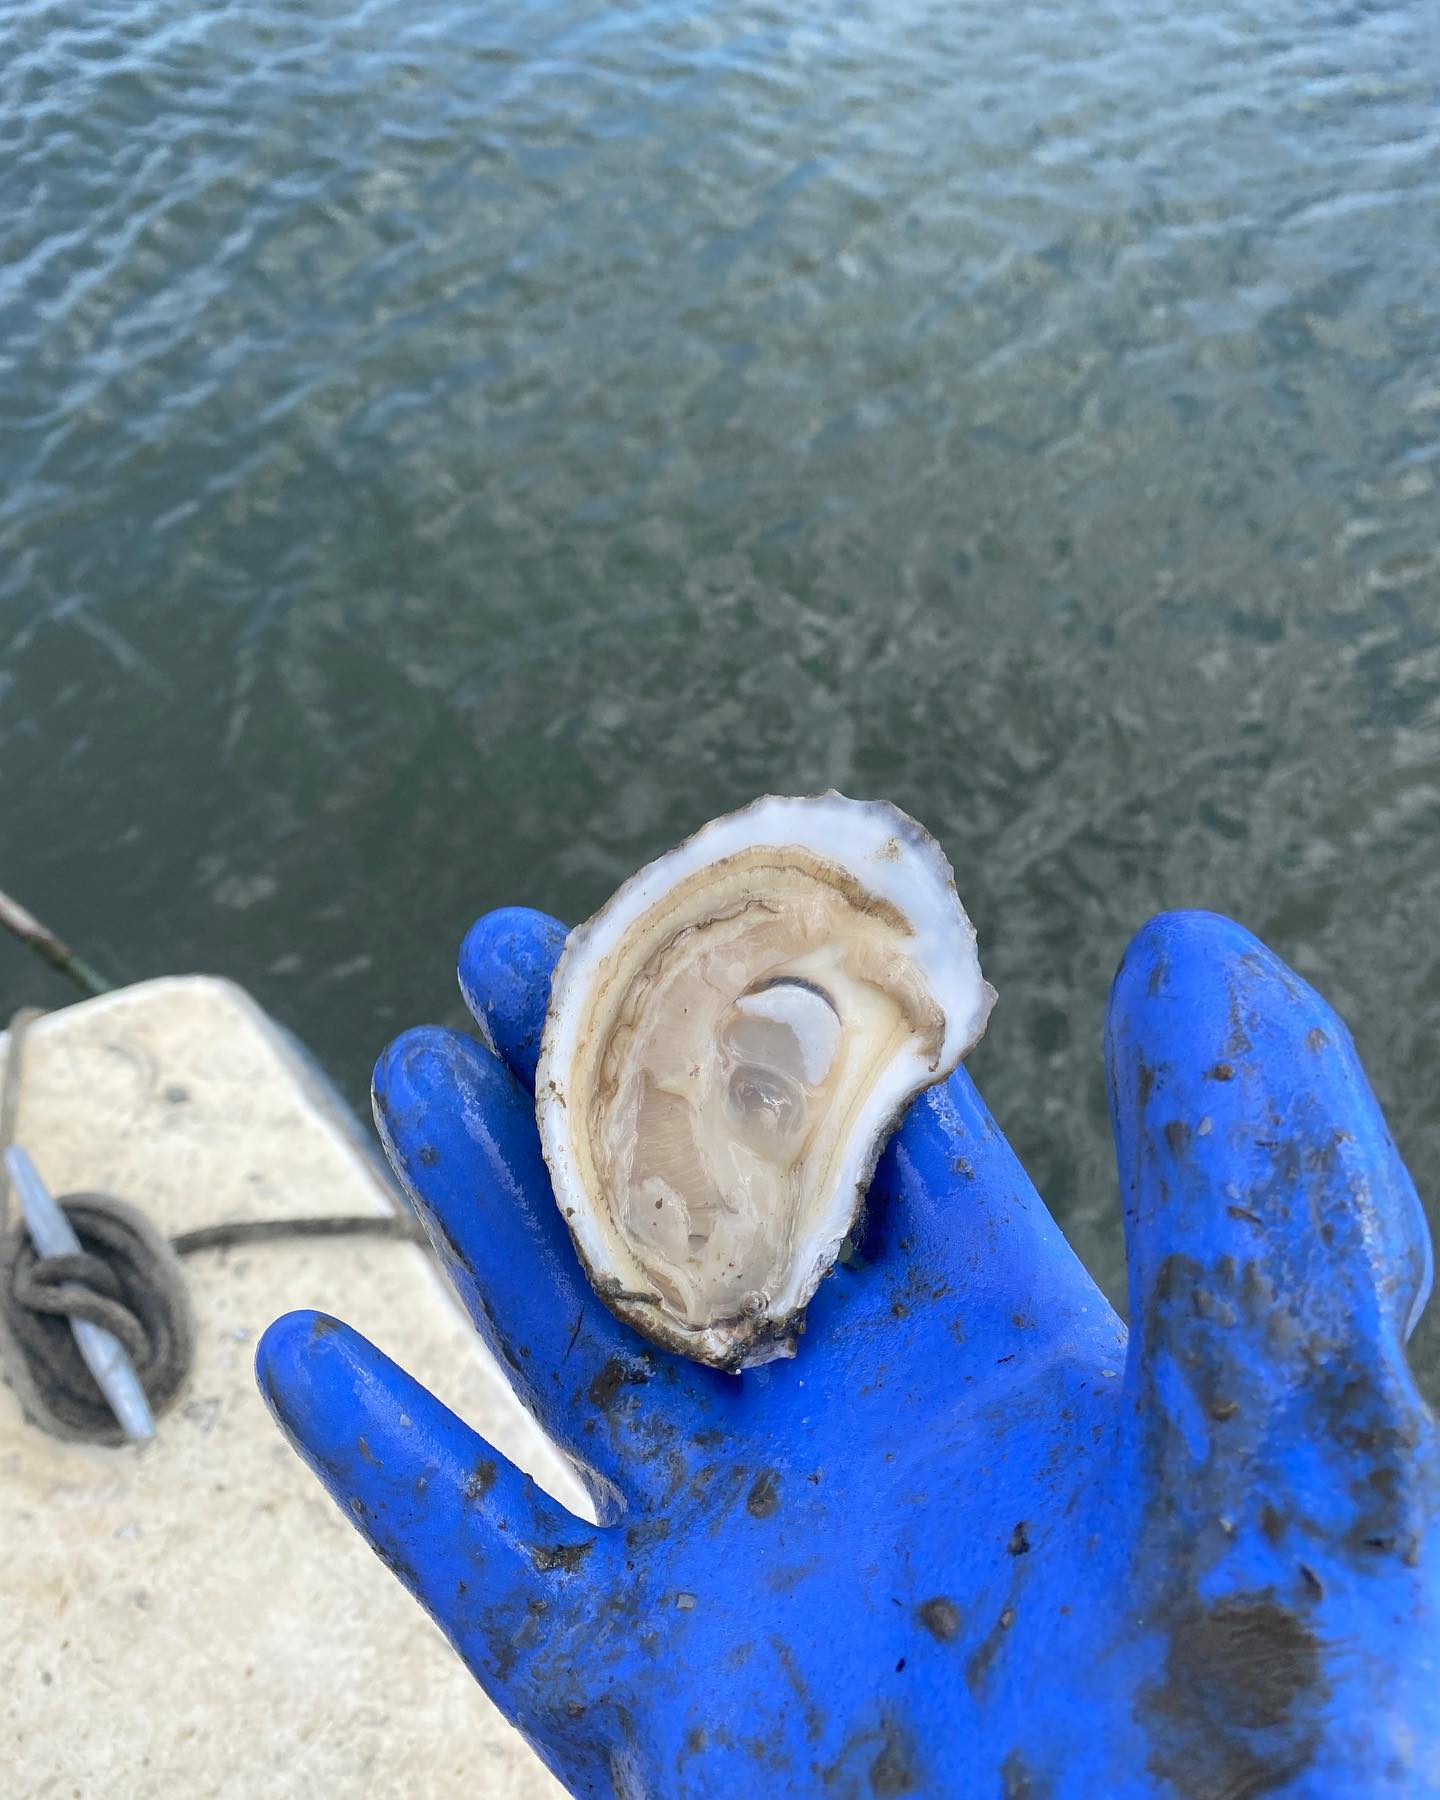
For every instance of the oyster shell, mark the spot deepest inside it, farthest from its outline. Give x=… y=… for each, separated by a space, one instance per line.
x=729 y=1043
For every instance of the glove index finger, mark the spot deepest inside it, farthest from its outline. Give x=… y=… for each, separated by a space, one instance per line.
x=506 y=962
x=460 y=1133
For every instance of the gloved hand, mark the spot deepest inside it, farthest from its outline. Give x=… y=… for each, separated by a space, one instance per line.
x=968 y=1542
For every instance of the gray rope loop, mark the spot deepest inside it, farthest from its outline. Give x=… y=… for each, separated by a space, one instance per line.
x=126 y=1278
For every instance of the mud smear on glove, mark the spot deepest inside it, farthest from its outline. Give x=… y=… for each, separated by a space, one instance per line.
x=1239 y=1711
x=886 y=1753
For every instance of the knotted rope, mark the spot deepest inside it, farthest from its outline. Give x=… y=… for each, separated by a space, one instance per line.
x=126 y=1278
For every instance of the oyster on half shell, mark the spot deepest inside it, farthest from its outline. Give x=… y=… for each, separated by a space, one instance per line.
x=730 y=1041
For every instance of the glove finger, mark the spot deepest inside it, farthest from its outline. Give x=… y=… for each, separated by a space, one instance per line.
x=510 y=1577
x=960 y=1255
x=506 y=962
x=460 y=1132
x=1277 y=1249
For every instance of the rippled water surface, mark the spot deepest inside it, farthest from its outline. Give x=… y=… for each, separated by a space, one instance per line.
x=448 y=453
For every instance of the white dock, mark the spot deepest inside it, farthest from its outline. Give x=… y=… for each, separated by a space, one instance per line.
x=194 y=1618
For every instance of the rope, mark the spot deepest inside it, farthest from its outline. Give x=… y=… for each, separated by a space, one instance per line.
x=127 y=1278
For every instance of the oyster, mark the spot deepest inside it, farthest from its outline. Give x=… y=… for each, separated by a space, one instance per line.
x=730 y=1041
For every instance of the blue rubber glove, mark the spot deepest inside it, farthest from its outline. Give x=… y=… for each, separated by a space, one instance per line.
x=968 y=1542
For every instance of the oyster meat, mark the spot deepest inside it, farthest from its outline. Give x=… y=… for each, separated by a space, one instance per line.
x=730 y=1041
